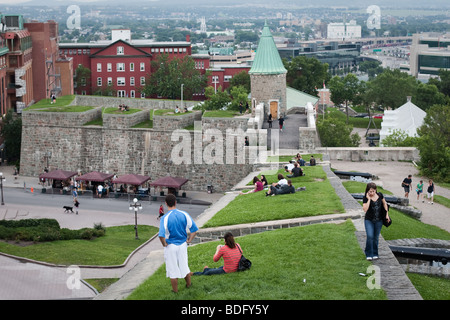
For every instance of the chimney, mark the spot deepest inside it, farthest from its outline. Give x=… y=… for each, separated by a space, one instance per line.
x=408 y=98
x=188 y=38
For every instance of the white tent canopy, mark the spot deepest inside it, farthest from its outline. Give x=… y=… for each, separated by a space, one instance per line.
x=407 y=118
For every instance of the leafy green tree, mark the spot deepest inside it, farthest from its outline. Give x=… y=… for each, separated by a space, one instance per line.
x=428 y=95
x=82 y=78
x=335 y=133
x=216 y=100
x=169 y=74
x=434 y=143
x=399 y=138
x=12 y=133
x=344 y=90
x=306 y=74
x=240 y=79
x=390 y=89
x=238 y=94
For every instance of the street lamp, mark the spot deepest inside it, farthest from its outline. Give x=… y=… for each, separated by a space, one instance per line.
x=182 y=85
x=135 y=206
x=2 y=178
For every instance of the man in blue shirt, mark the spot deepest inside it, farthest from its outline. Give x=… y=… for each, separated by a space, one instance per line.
x=173 y=229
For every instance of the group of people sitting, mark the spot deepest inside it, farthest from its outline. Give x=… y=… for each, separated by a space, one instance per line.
x=283 y=186
x=177 y=110
x=123 y=107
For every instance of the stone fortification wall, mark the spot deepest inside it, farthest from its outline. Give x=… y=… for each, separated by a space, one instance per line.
x=99 y=101
x=372 y=153
x=116 y=147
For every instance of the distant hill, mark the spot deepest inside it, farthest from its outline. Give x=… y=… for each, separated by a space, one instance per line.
x=277 y=3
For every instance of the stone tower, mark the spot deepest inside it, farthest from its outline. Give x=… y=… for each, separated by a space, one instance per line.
x=268 y=77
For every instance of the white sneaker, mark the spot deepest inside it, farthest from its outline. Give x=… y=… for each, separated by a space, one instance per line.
x=369 y=258
x=375 y=258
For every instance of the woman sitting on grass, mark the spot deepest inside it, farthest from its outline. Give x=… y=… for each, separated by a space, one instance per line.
x=258 y=186
x=283 y=189
x=231 y=253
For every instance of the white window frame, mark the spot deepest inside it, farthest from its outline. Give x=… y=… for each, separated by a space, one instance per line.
x=131 y=66
x=99 y=81
x=120 y=67
x=121 y=82
x=109 y=67
x=99 y=67
x=121 y=93
x=109 y=80
x=142 y=66
x=142 y=81
x=131 y=81
x=120 y=51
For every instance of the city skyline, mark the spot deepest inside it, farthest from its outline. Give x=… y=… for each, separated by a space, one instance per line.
x=219 y=3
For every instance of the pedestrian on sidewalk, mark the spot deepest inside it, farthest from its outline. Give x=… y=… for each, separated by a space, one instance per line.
x=281 y=123
x=174 y=238
x=419 y=190
x=406 y=184
x=430 y=191
x=161 y=211
x=373 y=204
x=269 y=120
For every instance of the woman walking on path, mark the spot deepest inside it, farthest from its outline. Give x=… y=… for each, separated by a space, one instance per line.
x=373 y=205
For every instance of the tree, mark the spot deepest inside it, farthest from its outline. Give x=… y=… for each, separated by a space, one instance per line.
x=168 y=75
x=434 y=143
x=216 y=100
x=335 y=133
x=82 y=77
x=238 y=94
x=12 y=133
x=399 y=138
x=240 y=79
x=306 y=74
x=390 y=89
x=428 y=95
x=344 y=90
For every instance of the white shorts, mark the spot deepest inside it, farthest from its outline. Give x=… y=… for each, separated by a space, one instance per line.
x=176 y=259
x=430 y=194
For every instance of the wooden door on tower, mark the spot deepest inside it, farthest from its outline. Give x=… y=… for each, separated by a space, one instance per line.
x=274 y=109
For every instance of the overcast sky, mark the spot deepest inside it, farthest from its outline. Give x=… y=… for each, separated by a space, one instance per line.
x=396 y=3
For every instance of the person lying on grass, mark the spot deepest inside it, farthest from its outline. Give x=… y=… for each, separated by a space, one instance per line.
x=231 y=253
x=282 y=189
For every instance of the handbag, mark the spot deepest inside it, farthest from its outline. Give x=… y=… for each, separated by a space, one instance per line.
x=385 y=222
x=244 y=263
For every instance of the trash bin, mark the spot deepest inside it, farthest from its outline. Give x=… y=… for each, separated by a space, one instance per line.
x=210 y=188
x=44 y=190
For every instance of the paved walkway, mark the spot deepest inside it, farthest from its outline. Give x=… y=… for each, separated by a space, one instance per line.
x=149 y=257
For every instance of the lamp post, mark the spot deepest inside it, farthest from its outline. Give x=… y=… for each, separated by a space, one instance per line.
x=2 y=178
x=135 y=206
x=182 y=85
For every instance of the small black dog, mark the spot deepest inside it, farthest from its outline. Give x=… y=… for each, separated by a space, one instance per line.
x=67 y=209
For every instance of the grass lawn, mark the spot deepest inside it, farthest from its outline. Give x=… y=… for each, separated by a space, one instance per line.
x=431 y=287
x=327 y=257
x=46 y=103
x=111 y=249
x=318 y=199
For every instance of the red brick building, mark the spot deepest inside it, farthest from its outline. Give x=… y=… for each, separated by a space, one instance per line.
x=124 y=65
x=29 y=56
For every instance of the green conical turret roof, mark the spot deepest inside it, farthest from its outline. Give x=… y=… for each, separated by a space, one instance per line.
x=267 y=59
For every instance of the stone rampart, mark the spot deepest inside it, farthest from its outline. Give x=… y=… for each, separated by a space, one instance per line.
x=116 y=147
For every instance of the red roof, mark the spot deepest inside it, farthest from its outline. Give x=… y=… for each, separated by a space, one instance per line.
x=171 y=182
x=58 y=175
x=132 y=179
x=95 y=176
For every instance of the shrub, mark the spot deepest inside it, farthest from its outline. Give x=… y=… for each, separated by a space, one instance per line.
x=41 y=230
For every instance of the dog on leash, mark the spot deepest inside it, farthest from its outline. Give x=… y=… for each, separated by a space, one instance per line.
x=67 y=209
